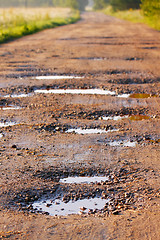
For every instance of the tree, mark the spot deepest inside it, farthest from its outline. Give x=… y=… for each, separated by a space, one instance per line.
x=125 y=4
x=100 y=4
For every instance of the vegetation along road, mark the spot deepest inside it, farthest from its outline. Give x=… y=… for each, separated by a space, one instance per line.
x=53 y=127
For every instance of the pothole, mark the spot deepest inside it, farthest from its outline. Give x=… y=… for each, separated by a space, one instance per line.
x=21 y=95
x=138 y=117
x=57 y=77
x=90 y=131
x=7 y=124
x=58 y=207
x=122 y=143
x=76 y=91
x=142 y=95
x=136 y=95
x=115 y=118
x=9 y=108
x=80 y=180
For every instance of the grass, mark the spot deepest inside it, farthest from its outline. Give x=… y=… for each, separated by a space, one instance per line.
x=135 y=16
x=18 y=22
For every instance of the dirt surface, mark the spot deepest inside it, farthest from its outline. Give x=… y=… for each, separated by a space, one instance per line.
x=37 y=151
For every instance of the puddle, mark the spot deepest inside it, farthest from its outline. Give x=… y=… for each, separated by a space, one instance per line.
x=136 y=95
x=115 y=118
x=138 y=117
x=83 y=179
x=142 y=95
x=58 y=207
x=76 y=91
x=89 y=131
x=122 y=144
x=90 y=58
x=57 y=77
x=7 y=124
x=21 y=95
x=9 y=108
x=125 y=95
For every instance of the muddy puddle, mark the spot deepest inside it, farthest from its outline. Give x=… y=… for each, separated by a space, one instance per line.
x=76 y=91
x=9 y=108
x=90 y=131
x=138 y=117
x=79 y=180
x=122 y=144
x=7 y=124
x=57 y=77
x=142 y=95
x=21 y=95
x=58 y=207
x=136 y=95
x=115 y=118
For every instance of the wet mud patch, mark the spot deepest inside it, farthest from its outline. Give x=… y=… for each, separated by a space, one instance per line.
x=134 y=80
x=99 y=114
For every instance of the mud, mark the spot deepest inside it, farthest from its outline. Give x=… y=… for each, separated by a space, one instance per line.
x=121 y=60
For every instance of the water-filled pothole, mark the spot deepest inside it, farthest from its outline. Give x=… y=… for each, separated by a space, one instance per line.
x=76 y=91
x=7 y=124
x=142 y=95
x=21 y=95
x=9 y=108
x=115 y=118
x=89 y=130
x=58 y=207
x=138 y=117
x=57 y=77
x=122 y=143
x=80 y=180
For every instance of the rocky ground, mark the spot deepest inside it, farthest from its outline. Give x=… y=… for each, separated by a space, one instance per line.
x=37 y=150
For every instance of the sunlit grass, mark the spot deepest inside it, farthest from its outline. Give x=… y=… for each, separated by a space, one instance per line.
x=17 y=22
x=135 y=16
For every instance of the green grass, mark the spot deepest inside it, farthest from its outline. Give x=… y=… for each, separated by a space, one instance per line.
x=135 y=16
x=15 y=26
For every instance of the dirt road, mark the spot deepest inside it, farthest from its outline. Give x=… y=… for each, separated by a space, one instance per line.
x=39 y=131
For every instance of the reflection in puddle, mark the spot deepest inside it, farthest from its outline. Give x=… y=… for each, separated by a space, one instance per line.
x=89 y=131
x=9 y=108
x=122 y=143
x=7 y=124
x=21 y=95
x=83 y=179
x=56 y=77
x=142 y=95
x=138 y=117
x=72 y=207
x=115 y=118
x=76 y=91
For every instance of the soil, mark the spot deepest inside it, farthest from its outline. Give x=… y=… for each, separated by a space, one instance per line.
x=109 y=54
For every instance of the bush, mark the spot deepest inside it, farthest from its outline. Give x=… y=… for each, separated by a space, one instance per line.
x=151 y=8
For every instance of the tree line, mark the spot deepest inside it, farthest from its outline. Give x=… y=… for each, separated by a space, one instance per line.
x=75 y=4
x=149 y=7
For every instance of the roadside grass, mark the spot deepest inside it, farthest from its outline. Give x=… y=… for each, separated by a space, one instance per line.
x=135 y=16
x=18 y=22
